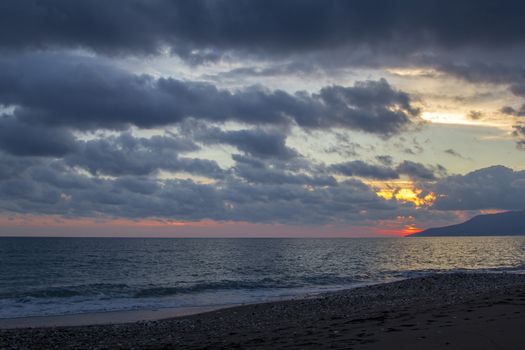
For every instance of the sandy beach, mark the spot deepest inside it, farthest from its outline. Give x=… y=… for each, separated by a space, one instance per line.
x=451 y=311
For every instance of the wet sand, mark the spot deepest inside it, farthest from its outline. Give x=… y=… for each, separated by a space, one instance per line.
x=452 y=311
x=105 y=318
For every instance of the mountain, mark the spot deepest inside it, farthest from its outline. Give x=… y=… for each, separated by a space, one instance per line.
x=510 y=223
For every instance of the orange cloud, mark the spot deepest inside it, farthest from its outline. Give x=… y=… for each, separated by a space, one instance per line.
x=404 y=191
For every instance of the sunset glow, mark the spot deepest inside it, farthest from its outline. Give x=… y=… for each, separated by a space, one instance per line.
x=205 y=174
x=281 y=128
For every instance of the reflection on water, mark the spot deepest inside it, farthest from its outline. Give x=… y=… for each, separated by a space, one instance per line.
x=60 y=275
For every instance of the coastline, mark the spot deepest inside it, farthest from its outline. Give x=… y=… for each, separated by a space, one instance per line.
x=92 y=318
x=421 y=311
x=106 y=317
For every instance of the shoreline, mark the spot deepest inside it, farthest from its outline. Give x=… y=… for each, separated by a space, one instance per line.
x=423 y=311
x=106 y=317
x=93 y=318
x=148 y=314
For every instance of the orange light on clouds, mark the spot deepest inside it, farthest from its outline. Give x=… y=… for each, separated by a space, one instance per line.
x=412 y=195
x=401 y=226
x=410 y=229
x=32 y=225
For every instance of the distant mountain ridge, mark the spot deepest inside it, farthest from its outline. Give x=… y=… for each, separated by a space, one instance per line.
x=510 y=223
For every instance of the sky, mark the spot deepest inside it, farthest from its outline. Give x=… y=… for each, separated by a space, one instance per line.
x=234 y=118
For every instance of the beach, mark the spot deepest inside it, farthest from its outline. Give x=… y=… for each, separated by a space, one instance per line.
x=442 y=311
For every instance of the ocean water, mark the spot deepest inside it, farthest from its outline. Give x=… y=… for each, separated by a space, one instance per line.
x=51 y=276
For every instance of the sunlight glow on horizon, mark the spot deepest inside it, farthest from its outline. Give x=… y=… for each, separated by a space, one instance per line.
x=30 y=225
x=460 y=119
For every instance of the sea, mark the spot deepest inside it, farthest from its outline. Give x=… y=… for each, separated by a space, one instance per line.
x=55 y=276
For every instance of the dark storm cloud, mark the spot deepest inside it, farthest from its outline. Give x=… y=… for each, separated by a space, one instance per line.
x=113 y=155
x=486 y=72
x=417 y=170
x=196 y=29
x=495 y=187
x=257 y=142
x=128 y=155
x=23 y=139
x=49 y=187
x=281 y=171
x=372 y=106
x=12 y=166
x=58 y=103
x=58 y=92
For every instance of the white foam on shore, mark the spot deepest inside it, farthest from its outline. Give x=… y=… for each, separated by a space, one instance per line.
x=104 y=318
x=156 y=314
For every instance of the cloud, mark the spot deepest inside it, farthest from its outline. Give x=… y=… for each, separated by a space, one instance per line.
x=519 y=132
x=50 y=91
x=202 y=30
x=475 y=115
x=362 y=169
x=453 y=153
x=486 y=72
x=257 y=142
x=47 y=187
x=128 y=155
x=511 y=111
x=417 y=170
x=371 y=106
x=495 y=187
x=385 y=159
x=24 y=139
x=66 y=83
x=411 y=169
x=280 y=172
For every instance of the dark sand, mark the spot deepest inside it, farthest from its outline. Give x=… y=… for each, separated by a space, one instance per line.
x=452 y=311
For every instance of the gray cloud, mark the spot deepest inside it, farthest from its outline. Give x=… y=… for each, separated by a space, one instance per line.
x=362 y=169
x=24 y=139
x=411 y=169
x=257 y=142
x=200 y=30
x=48 y=187
x=55 y=97
x=417 y=170
x=385 y=159
x=486 y=72
x=519 y=132
x=49 y=91
x=255 y=191
x=512 y=111
x=495 y=187
x=278 y=171
x=453 y=153
x=128 y=155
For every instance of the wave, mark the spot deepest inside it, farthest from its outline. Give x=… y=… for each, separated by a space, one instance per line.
x=94 y=289
x=113 y=290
